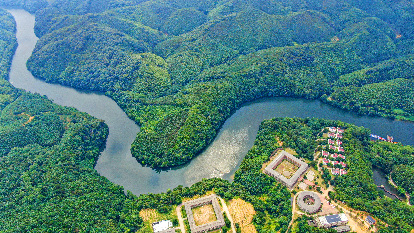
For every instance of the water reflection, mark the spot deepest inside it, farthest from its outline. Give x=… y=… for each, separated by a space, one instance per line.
x=220 y=159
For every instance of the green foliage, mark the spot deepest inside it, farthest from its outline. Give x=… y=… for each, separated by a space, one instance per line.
x=47 y=157
x=29 y=5
x=357 y=188
x=8 y=43
x=204 y=59
x=403 y=175
x=390 y=99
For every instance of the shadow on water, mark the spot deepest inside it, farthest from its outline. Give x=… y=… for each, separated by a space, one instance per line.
x=381 y=180
x=220 y=159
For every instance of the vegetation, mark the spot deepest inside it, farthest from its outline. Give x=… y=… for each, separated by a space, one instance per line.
x=48 y=152
x=29 y=5
x=356 y=189
x=180 y=68
x=8 y=43
x=396 y=161
x=48 y=181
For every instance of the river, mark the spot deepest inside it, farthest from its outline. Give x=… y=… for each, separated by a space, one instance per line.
x=220 y=159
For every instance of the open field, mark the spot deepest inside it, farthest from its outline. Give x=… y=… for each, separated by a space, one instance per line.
x=150 y=216
x=204 y=214
x=242 y=213
x=286 y=168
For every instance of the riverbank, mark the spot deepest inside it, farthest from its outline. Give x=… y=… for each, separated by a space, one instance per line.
x=234 y=139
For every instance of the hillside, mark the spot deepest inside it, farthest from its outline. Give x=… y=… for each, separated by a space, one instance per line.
x=180 y=68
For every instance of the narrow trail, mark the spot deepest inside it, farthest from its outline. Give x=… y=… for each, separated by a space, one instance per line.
x=180 y=218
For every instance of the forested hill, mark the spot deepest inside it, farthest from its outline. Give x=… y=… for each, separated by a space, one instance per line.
x=179 y=68
x=47 y=155
x=8 y=43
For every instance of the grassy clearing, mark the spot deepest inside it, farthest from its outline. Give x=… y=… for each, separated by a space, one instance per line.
x=150 y=216
x=204 y=214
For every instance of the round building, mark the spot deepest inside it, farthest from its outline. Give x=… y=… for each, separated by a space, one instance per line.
x=309 y=202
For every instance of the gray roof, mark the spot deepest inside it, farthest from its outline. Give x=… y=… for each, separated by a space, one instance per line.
x=333 y=218
x=170 y=230
x=290 y=183
x=370 y=220
x=311 y=209
x=340 y=229
x=212 y=199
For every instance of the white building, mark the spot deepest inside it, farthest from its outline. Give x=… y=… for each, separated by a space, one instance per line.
x=162 y=225
x=332 y=220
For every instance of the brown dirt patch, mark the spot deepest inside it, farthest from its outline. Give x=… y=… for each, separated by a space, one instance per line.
x=242 y=213
x=149 y=215
x=286 y=168
x=29 y=120
x=204 y=214
x=278 y=141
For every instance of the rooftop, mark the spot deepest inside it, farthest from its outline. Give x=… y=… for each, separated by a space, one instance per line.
x=291 y=181
x=333 y=219
x=162 y=226
x=309 y=207
x=212 y=199
x=370 y=220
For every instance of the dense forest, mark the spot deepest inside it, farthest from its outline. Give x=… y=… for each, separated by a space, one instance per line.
x=47 y=157
x=180 y=68
x=48 y=152
x=8 y=43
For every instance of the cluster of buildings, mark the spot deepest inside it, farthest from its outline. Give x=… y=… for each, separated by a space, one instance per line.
x=335 y=132
x=335 y=159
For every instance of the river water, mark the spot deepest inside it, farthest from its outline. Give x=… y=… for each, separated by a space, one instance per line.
x=220 y=159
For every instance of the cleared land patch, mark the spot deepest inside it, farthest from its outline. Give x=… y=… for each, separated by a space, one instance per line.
x=286 y=168
x=204 y=214
x=149 y=215
x=242 y=213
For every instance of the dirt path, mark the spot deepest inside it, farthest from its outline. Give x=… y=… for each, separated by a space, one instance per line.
x=180 y=218
x=293 y=211
x=226 y=210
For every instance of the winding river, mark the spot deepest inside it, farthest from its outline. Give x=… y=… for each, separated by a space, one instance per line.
x=220 y=159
